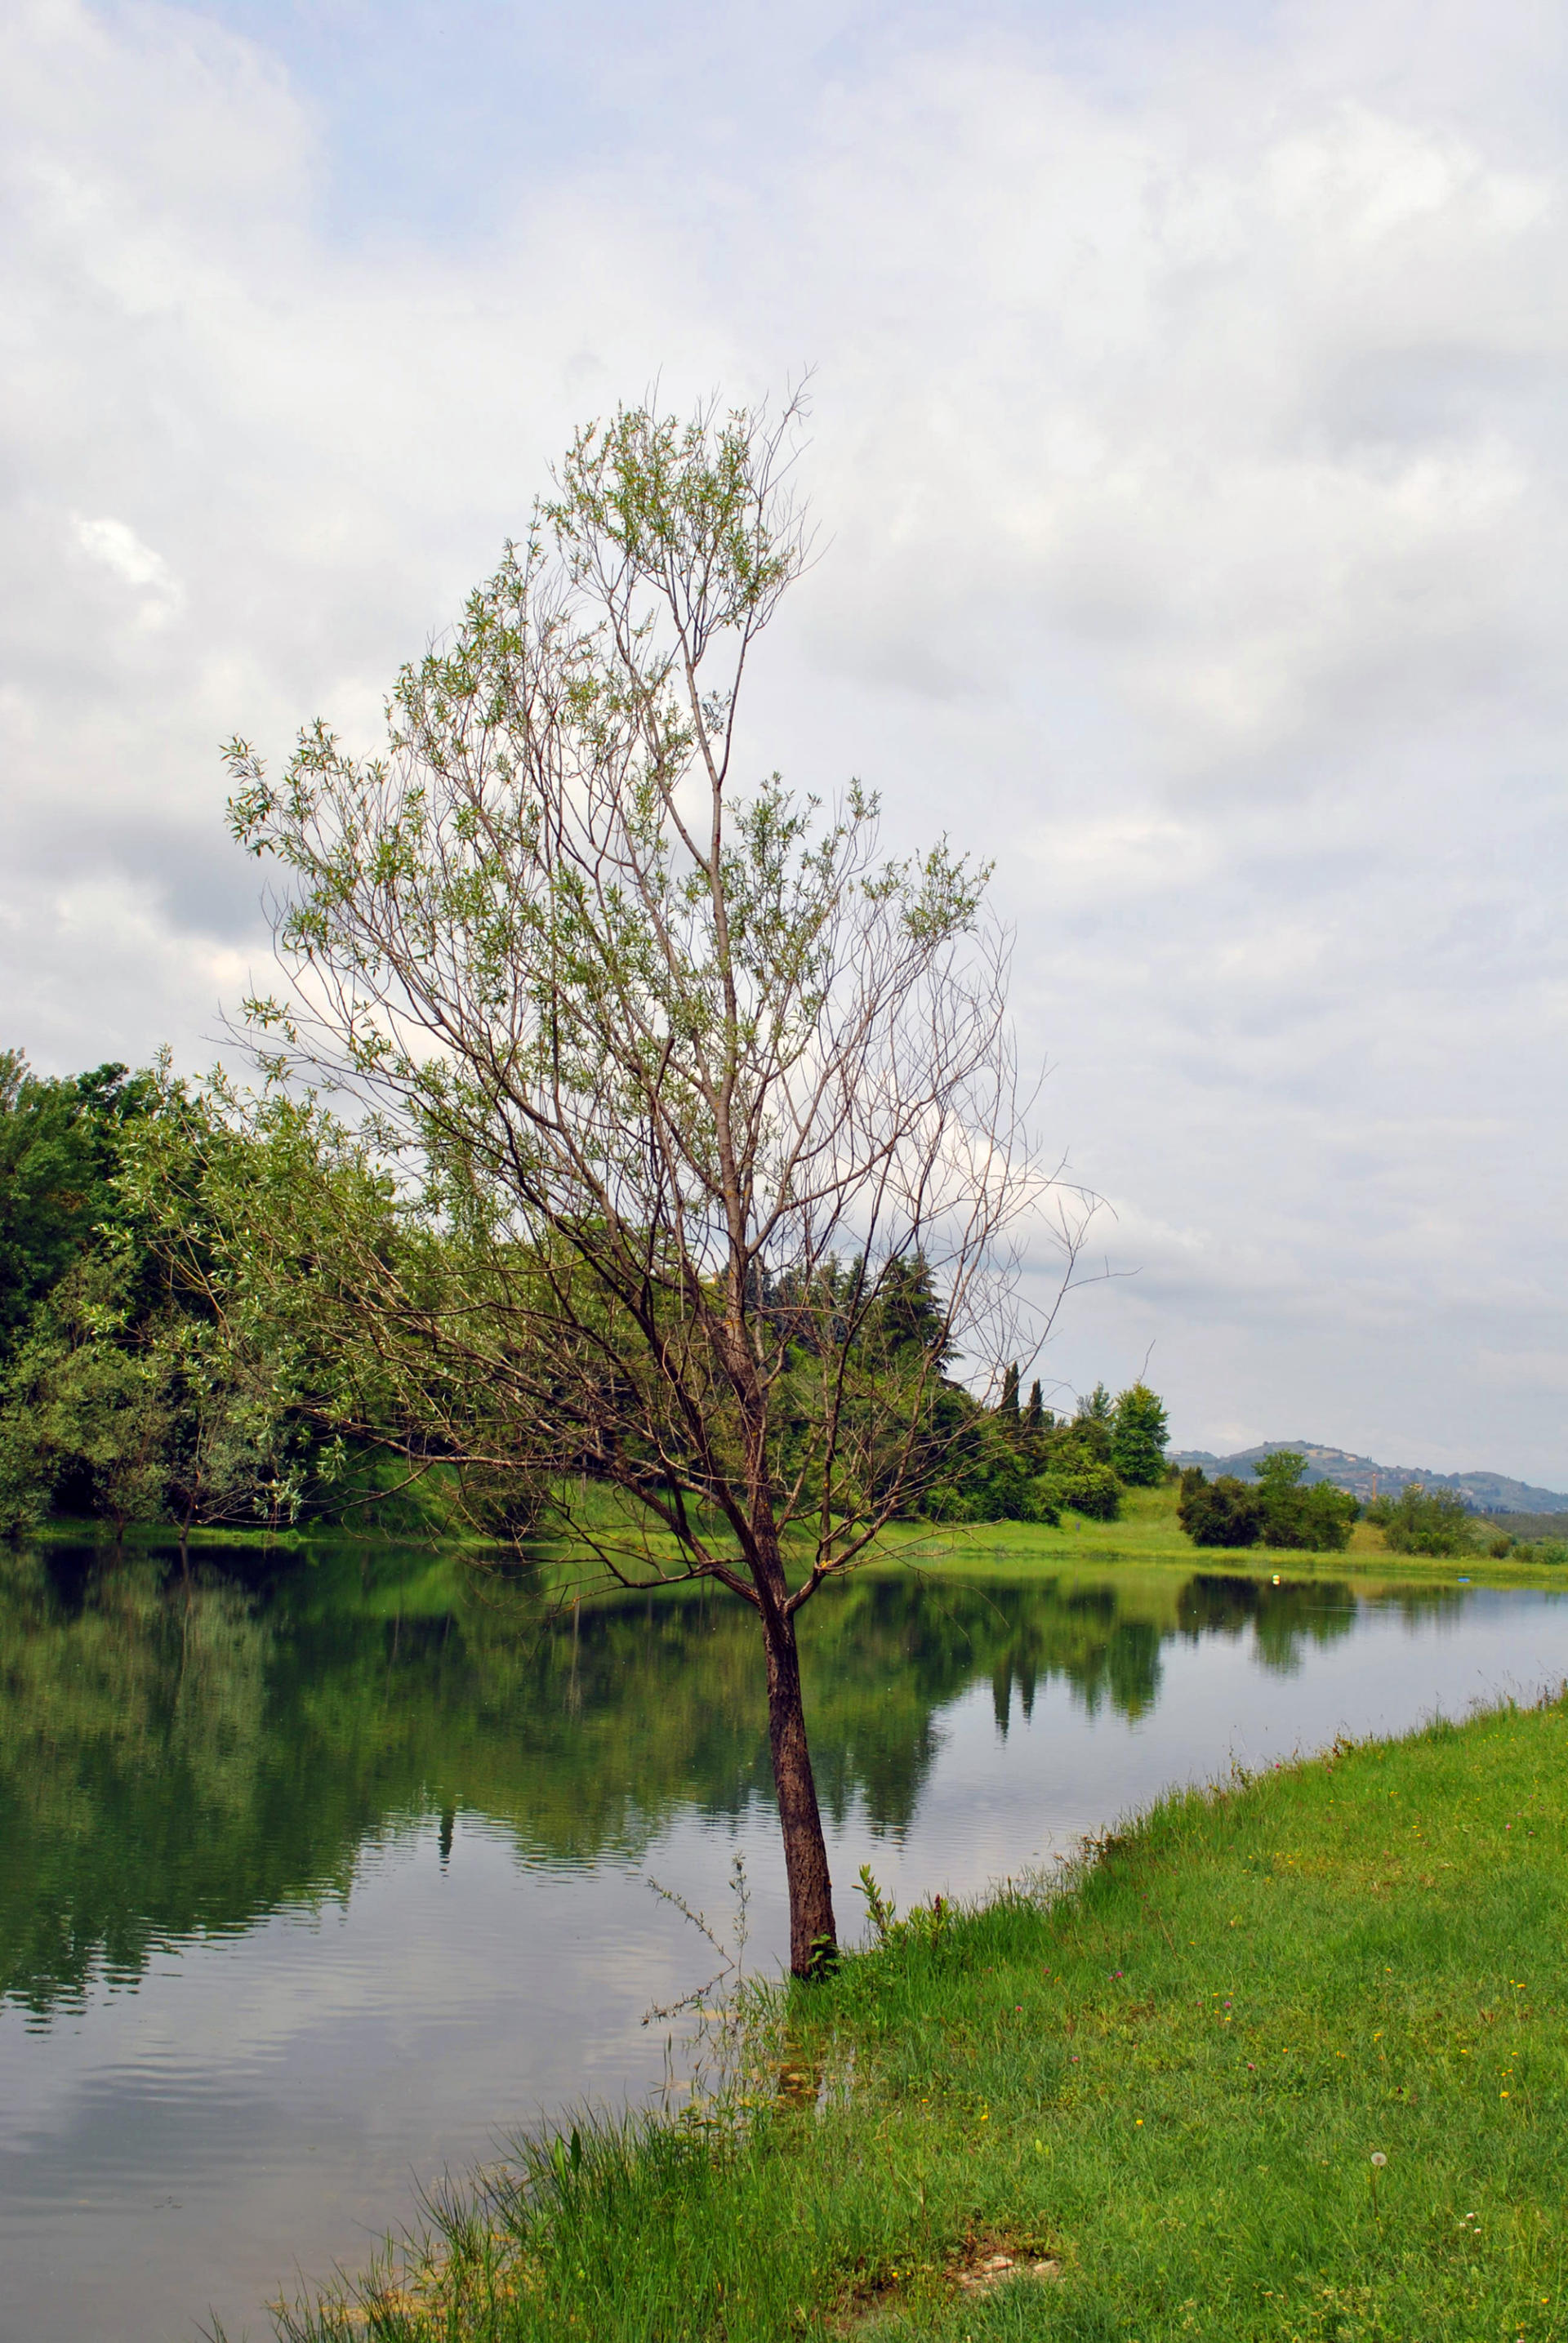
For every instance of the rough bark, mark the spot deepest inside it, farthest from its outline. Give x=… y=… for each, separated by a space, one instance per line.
x=813 y=1937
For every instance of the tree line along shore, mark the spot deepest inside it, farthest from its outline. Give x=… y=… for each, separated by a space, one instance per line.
x=169 y=1353
x=152 y=1375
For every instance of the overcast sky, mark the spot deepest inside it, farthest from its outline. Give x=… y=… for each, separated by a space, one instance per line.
x=1190 y=434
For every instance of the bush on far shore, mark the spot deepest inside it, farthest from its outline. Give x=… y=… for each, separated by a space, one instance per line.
x=1226 y=1512
x=1277 y=1510
x=1425 y=1521
x=1079 y=1486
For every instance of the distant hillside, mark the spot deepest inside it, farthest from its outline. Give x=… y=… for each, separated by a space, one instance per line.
x=1484 y=1492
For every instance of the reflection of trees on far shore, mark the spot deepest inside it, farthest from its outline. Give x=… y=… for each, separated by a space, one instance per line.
x=1418 y=1605
x=1283 y=1617
x=183 y=1752
x=1298 y=1611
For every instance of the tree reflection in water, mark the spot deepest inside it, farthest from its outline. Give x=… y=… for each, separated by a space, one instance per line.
x=1285 y=1615
x=183 y=1752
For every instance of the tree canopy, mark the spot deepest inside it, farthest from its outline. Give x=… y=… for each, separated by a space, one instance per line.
x=696 y=1085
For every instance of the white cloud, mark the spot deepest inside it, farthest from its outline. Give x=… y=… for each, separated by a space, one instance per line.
x=121 y=551
x=1169 y=406
x=1190 y=437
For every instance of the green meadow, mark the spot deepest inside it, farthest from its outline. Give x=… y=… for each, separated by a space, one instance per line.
x=1148 y=1533
x=1148 y=1538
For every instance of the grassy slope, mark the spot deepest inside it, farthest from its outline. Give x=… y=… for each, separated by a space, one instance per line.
x=1149 y=1531
x=1172 y=2080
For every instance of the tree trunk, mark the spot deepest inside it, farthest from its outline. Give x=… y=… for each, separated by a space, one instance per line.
x=813 y=1937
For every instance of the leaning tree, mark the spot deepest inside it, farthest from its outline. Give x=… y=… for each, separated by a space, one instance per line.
x=711 y=1107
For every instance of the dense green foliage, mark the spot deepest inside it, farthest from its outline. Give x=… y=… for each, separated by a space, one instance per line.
x=58 y=1154
x=1139 y=1431
x=78 y=1409
x=78 y=1412
x=139 y=1381
x=180 y=1338
x=1425 y=1521
x=1023 y=1464
x=1289 y=2063
x=1279 y=1509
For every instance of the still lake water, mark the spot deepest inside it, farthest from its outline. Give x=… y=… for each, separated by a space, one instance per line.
x=315 y=1884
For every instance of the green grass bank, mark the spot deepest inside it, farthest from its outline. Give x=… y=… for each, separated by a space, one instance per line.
x=1166 y=2084
x=1147 y=1534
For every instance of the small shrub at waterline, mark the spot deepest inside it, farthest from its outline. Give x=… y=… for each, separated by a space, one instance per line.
x=1423 y=1521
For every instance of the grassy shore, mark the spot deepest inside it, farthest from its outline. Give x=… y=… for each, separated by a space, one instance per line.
x=1148 y=1532
x=1165 y=2085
